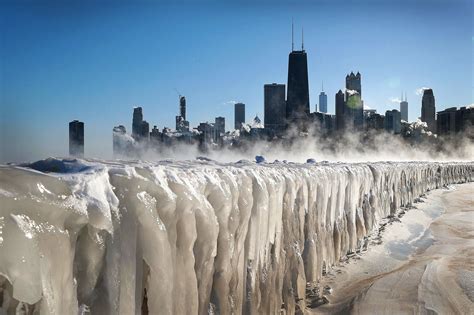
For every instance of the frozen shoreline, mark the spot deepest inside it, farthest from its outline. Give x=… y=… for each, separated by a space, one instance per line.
x=424 y=263
x=115 y=237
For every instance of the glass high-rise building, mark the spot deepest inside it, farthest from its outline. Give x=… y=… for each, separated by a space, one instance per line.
x=297 y=102
x=274 y=106
x=428 y=109
x=239 y=115
x=323 y=102
x=76 y=138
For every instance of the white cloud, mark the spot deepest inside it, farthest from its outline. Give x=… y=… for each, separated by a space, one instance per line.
x=229 y=103
x=395 y=100
x=421 y=90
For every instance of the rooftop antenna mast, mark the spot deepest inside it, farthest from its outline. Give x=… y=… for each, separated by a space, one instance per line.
x=302 y=39
x=322 y=86
x=292 y=37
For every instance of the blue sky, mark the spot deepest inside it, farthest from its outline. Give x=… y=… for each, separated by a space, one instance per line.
x=94 y=61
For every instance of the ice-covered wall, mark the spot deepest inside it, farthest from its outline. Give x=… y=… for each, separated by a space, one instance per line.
x=189 y=237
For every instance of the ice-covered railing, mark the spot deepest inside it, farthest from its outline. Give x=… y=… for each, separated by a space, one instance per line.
x=190 y=237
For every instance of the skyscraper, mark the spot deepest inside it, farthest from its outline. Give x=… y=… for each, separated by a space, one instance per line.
x=323 y=101
x=119 y=141
x=354 y=110
x=239 y=115
x=76 y=138
x=140 y=128
x=275 y=106
x=392 y=122
x=446 y=122
x=297 y=102
x=428 y=109
x=340 y=111
x=404 y=109
x=182 y=107
x=219 y=129
x=353 y=82
x=137 y=122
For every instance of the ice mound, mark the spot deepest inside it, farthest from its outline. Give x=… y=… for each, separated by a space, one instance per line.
x=52 y=165
x=190 y=237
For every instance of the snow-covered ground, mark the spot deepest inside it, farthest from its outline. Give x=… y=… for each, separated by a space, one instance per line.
x=190 y=237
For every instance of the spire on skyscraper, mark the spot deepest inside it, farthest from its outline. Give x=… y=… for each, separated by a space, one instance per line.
x=302 y=39
x=292 y=37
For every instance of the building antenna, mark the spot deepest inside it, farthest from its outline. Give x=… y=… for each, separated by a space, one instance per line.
x=292 y=37
x=302 y=39
x=322 y=86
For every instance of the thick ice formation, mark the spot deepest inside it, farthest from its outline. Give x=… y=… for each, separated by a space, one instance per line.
x=190 y=237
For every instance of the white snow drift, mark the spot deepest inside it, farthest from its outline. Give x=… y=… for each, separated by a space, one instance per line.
x=192 y=237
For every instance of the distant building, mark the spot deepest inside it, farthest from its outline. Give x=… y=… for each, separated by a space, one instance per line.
x=452 y=120
x=369 y=112
x=182 y=107
x=323 y=102
x=393 y=121
x=137 y=122
x=465 y=119
x=404 y=109
x=353 y=83
x=76 y=138
x=340 y=106
x=140 y=128
x=207 y=132
x=219 y=129
x=118 y=140
x=297 y=102
x=446 y=122
x=374 y=121
x=144 y=131
x=155 y=135
x=428 y=109
x=274 y=106
x=353 y=111
x=324 y=121
x=181 y=124
x=239 y=115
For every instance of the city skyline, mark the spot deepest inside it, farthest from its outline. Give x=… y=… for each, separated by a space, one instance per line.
x=100 y=112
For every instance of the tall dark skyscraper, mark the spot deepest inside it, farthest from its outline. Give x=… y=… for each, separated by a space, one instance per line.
x=275 y=106
x=297 y=102
x=140 y=128
x=323 y=101
x=353 y=82
x=76 y=138
x=137 y=122
x=182 y=107
x=428 y=109
x=239 y=115
x=340 y=111
x=354 y=106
